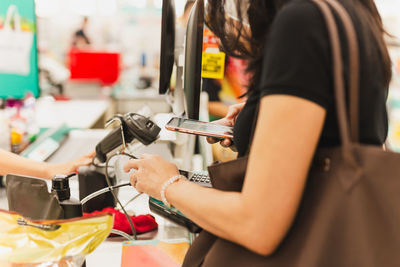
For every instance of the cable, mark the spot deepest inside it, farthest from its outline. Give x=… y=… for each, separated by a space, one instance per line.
x=95 y=164
x=115 y=196
x=70 y=175
x=132 y=199
x=139 y=194
x=102 y=191
x=101 y=166
x=129 y=155
x=123 y=234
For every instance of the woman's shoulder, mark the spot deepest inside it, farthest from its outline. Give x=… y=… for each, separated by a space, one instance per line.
x=299 y=16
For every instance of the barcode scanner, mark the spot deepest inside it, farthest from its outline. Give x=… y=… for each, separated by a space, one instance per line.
x=97 y=177
x=132 y=126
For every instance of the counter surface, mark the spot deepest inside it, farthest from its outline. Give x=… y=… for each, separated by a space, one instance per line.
x=109 y=252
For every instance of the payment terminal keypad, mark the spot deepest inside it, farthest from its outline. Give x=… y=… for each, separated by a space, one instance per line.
x=200 y=178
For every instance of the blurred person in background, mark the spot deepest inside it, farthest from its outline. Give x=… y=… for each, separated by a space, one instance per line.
x=80 y=39
x=228 y=91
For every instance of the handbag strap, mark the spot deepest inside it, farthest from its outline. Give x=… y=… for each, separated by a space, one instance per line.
x=354 y=67
x=13 y=16
x=337 y=61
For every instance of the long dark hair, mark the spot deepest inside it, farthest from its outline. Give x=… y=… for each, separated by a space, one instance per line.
x=238 y=42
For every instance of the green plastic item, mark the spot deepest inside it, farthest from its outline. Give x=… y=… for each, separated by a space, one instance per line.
x=47 y=143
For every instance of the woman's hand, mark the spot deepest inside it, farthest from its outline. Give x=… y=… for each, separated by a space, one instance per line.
x=151 y=173
x=69 y=167
x=229 y=120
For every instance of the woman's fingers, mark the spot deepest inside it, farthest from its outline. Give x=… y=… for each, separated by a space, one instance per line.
x=151 y=172
x=226 y=142
x=224 y=121
x=212 y=140
x=131 y=164
x=229 y=120
x=234 y=111
x=133 y=179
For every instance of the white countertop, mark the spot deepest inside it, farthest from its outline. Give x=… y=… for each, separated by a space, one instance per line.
x=74 y=113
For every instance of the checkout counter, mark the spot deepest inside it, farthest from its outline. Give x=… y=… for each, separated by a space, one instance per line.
x=82 y=140
x=109 y=252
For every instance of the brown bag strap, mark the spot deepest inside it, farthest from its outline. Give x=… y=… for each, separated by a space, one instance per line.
x=354 y=67
x=340 y=96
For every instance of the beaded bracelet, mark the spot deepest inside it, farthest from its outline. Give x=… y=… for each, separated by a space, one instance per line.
x=165 y=185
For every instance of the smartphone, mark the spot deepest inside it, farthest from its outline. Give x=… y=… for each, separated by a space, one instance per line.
x=200 y=128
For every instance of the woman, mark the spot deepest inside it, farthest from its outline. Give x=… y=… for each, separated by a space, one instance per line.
x=289 y=50
x=12 y=163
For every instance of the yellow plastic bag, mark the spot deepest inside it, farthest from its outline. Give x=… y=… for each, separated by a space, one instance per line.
x=50 y=243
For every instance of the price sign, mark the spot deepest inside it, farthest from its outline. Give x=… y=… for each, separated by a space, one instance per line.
x=213 y=65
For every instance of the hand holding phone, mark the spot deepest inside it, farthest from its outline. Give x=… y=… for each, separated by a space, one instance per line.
x=202 y=128
x=228 y=120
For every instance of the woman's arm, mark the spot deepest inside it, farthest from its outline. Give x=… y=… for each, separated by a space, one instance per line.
x=287 y=134
x=12 y=163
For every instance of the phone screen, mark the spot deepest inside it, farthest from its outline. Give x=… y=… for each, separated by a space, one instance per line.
x=200 y=128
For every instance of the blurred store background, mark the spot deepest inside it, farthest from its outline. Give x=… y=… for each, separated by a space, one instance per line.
x=110 y=50
x=389 y=10
x=131 y=29
x=125 y=31
x=102 y=55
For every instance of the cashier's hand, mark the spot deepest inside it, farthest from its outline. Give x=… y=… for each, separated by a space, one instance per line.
x=71 y=166
x=229 y=120
x=151 y=173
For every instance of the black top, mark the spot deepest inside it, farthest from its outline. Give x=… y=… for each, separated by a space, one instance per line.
x=297 y=61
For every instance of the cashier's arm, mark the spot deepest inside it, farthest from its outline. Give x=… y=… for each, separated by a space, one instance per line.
x=12 y=163
x=286 y=137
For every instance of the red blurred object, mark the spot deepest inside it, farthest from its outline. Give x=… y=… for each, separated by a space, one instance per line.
x=94 y=65
x=142 y=223
x=61 y=98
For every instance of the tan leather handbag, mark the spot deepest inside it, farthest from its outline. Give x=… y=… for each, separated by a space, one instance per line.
x=350 y=211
